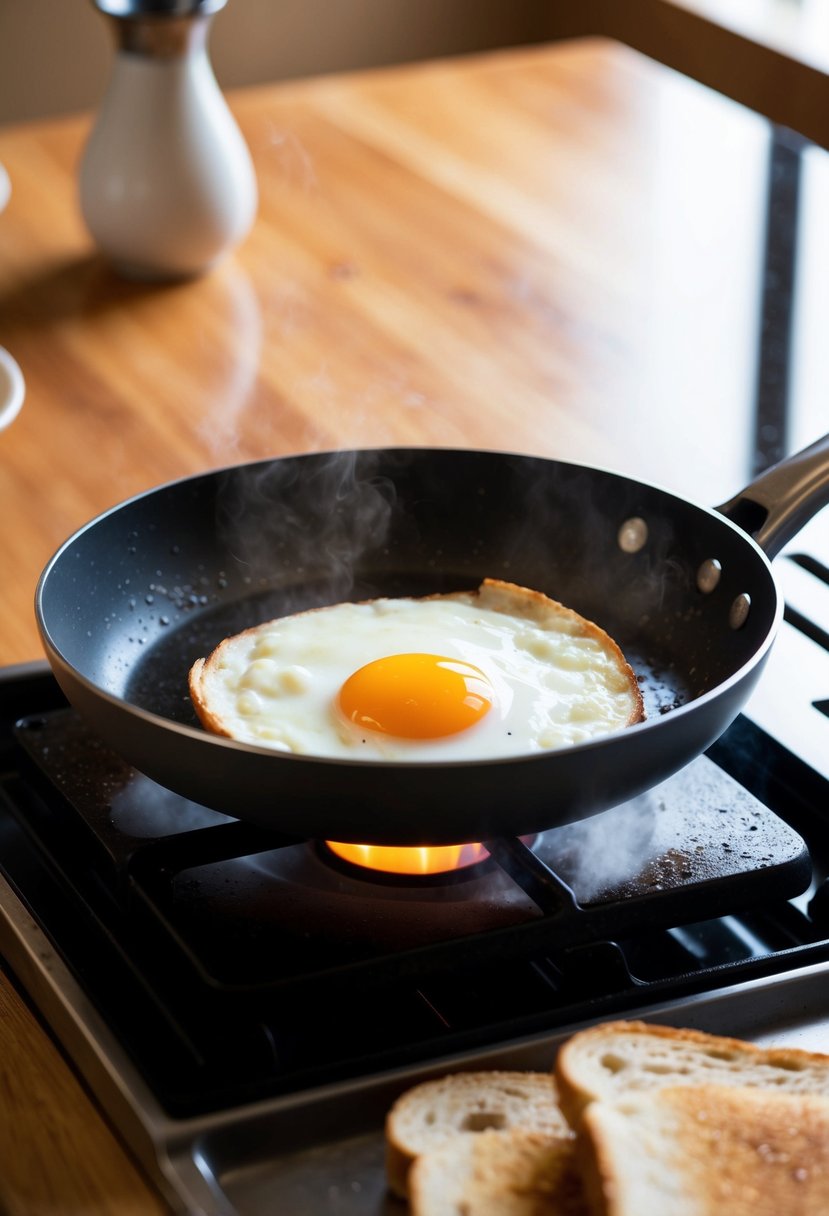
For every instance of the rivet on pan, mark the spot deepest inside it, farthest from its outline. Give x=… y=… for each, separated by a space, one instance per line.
x=738 y=615
x=632 y=535
x=708 y=575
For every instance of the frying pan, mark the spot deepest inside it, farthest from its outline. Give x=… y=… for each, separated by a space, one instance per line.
x=132 y=599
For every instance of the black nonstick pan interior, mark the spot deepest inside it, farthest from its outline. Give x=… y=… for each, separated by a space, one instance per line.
x=132 y=600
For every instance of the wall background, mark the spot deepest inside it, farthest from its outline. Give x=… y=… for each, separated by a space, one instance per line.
x=55 y=55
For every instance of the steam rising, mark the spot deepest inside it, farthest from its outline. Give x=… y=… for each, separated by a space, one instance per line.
x=146 y=810
x=672 y=833
x=604 y=851
x=309 y=520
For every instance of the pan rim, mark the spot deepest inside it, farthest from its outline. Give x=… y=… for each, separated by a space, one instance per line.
x=59 y=661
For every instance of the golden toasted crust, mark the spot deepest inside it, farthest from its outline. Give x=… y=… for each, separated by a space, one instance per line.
x=498 y=1173
x=206 y=716
x=742 y=1063
x=707 y=1150
x=467 y=1104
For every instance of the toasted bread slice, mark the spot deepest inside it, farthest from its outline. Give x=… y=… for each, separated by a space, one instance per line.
x=620 y=1058
x=462 y=1105
x=498 y=1173
x=707 y=1150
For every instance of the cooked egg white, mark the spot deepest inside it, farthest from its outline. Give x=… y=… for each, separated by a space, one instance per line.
x=491 y=673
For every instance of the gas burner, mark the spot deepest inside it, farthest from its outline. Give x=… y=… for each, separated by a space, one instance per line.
x=242 y=909
x=439 y=863
x=212 y=953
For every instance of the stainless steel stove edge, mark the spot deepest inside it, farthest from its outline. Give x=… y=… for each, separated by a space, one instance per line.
x=184 y=1157
x=100 y=1060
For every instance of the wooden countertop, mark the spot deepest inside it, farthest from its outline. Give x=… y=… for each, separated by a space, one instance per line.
x=551 y=251
x=514 y=251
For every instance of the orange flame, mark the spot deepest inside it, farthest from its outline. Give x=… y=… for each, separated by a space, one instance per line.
x=421 y=859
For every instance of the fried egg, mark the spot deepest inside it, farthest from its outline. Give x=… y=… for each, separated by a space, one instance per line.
x=496 y=672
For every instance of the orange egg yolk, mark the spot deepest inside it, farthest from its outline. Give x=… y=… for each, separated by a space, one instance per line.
x=416 y=696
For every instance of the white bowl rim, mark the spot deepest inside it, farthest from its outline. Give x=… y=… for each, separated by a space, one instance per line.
x=12 y=388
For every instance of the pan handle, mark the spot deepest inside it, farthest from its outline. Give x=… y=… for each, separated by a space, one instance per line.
x=783 y=499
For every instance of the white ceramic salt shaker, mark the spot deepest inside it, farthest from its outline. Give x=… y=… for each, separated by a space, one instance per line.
x=166 y=180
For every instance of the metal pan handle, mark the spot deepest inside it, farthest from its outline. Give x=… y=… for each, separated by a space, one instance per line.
x=781 y=501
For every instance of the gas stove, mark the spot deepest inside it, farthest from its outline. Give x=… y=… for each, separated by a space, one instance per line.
x=245 y=1006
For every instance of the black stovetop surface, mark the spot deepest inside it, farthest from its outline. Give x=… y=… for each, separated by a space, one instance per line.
x=233 y=964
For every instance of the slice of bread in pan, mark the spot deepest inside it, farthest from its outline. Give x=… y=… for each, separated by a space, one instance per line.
x=619 y=1058
x=707 y=1150
x=498 y=1173
x=463 y=1105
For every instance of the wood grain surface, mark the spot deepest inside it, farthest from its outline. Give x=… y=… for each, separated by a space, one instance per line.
x=506 y=252
x=57 y=1157
x=551 y=251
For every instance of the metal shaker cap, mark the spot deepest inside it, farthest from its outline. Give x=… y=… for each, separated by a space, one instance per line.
x=159 y=8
